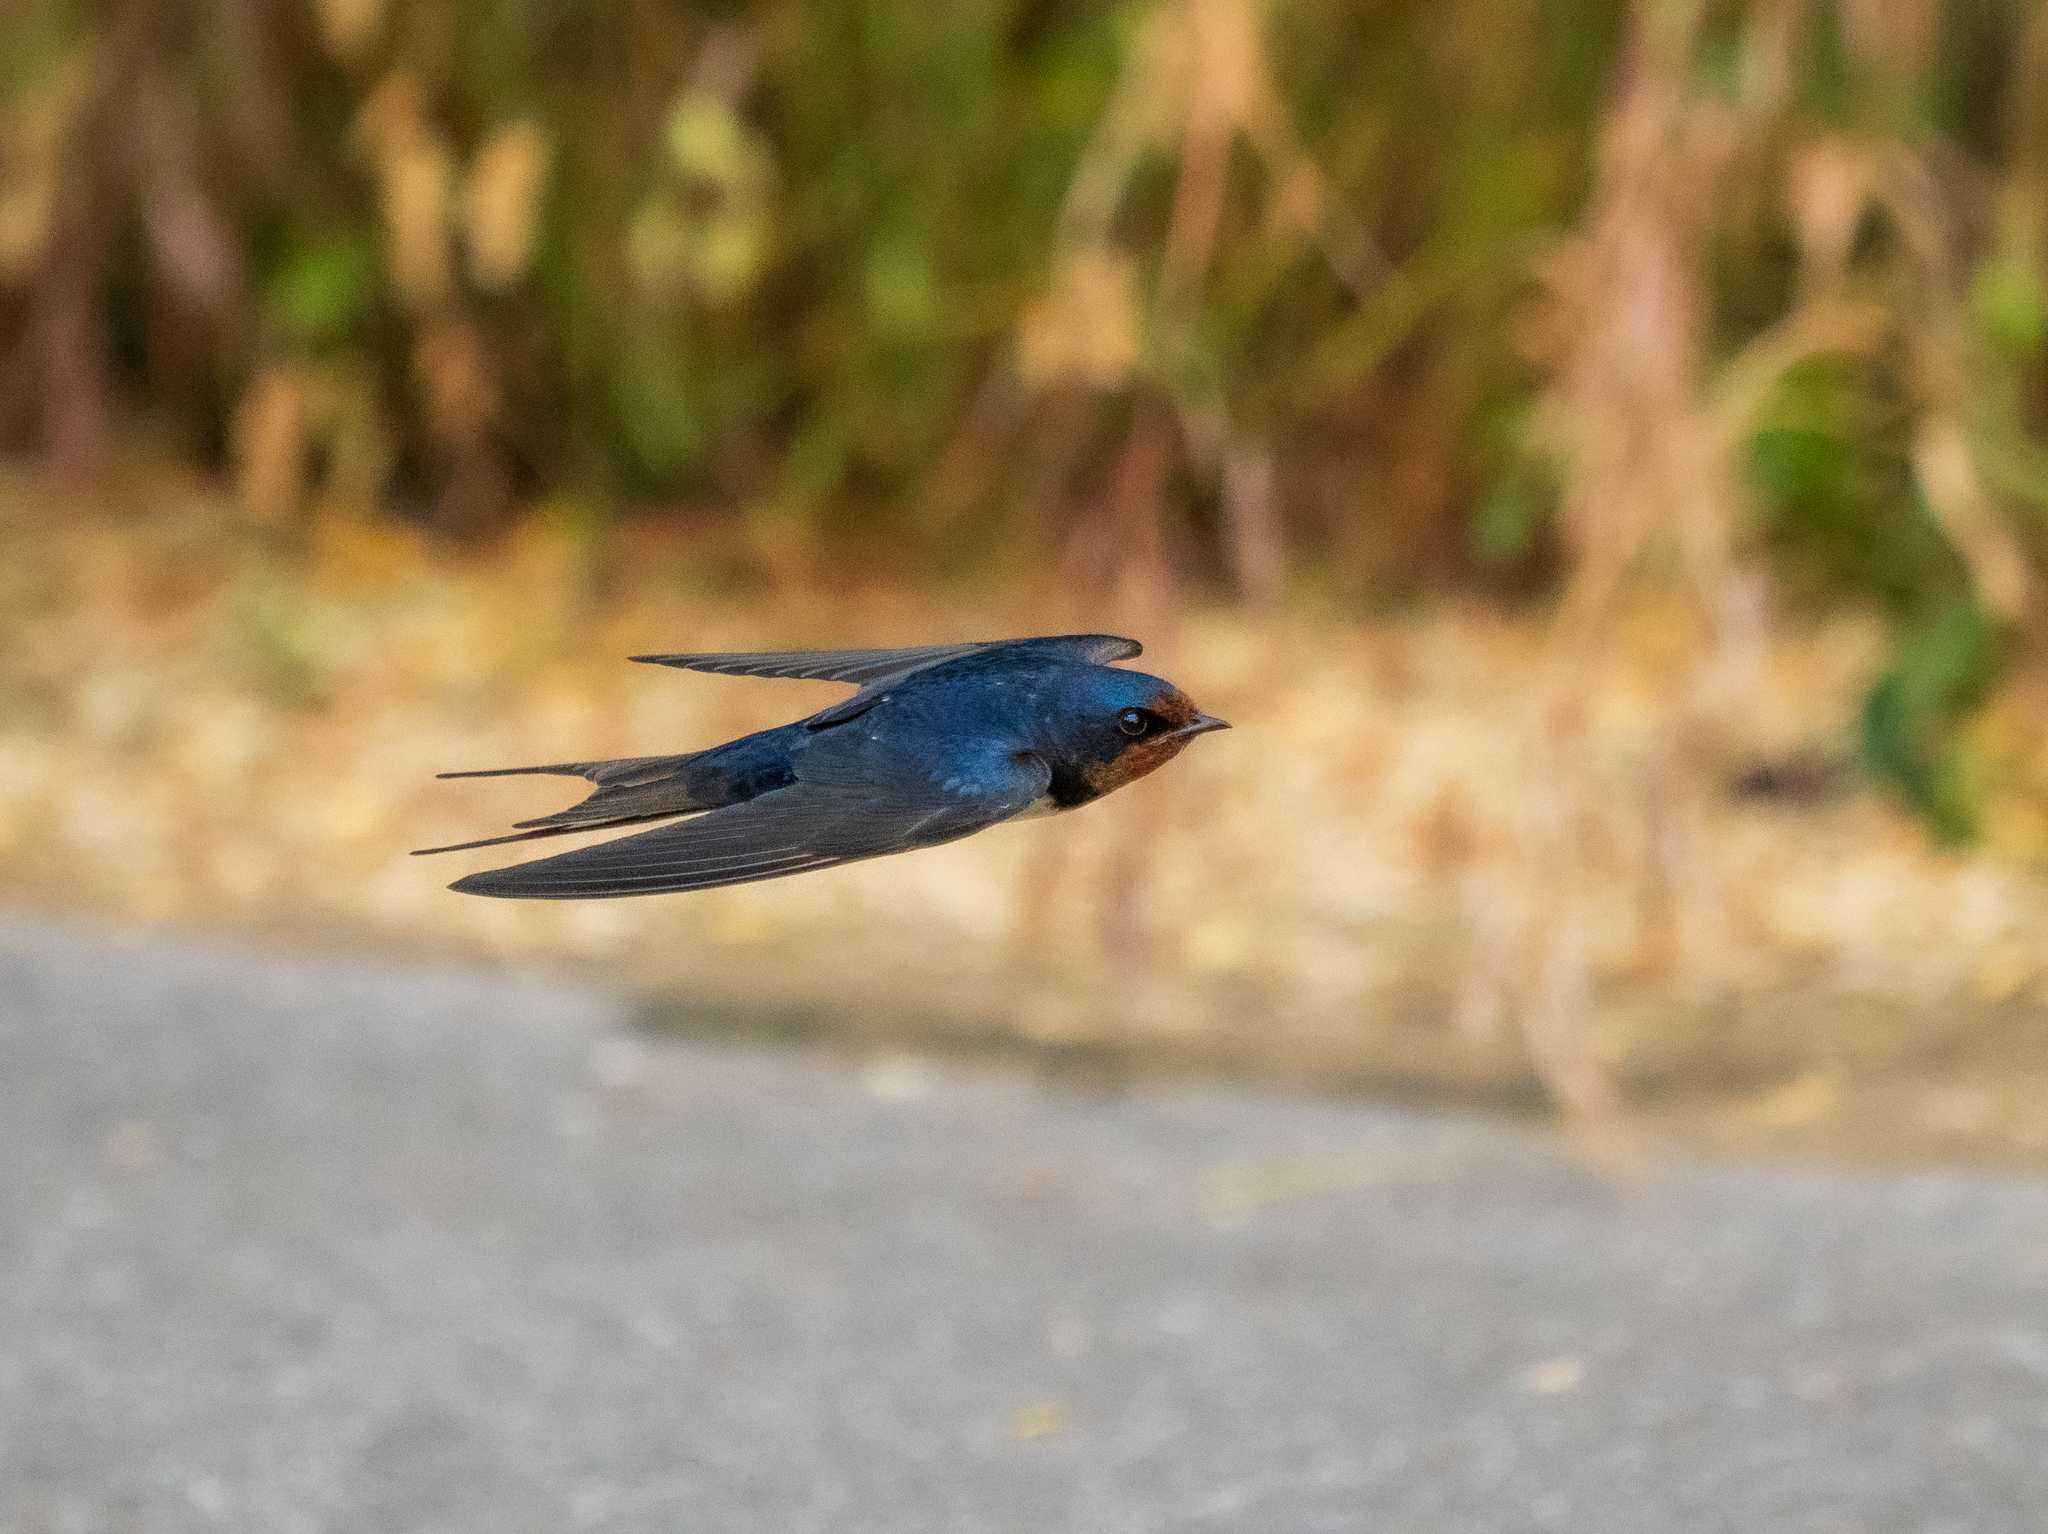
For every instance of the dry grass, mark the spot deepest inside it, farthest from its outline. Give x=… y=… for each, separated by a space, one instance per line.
x=1647 y=421
x=199 y=731
x=1272 y=330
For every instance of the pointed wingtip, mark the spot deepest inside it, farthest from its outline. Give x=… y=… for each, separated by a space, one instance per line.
x=488 y=841
x=545 y=769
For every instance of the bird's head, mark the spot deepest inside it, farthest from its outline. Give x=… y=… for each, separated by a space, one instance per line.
x=1113 y=727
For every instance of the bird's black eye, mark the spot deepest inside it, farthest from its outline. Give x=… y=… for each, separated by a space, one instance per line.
x=1131 y=722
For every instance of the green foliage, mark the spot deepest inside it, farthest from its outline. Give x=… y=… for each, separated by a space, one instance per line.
x=1837 y=497
x=321 y=293
x=1942 y=671
x=2008 y=304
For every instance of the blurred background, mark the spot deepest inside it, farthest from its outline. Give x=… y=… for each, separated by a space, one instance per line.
x=1595 y=452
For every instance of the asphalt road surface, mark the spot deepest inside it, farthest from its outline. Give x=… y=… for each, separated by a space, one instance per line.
x=330 y=1245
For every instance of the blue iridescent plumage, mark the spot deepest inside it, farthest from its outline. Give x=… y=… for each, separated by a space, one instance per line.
x=938 y=742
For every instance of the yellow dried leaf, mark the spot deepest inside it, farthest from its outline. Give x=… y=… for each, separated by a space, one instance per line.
x=393 y=114
x=415 y=193
x=1947 y=471
x=34 y=125
x=726 y=257
x=349 y=28
x=1228 y=61
x=24 y=223
x=1803 y=1100
x=269 y=446
x=2016 y=827
x=2005 y=972
x=1830 y=184
x=744 y=925
x=1087 y=328
x=502 y=204
x=1219 y=943
x=364 y=552
x=355 y=816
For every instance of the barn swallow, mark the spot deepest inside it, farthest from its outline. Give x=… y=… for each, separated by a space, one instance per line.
x=938 y=743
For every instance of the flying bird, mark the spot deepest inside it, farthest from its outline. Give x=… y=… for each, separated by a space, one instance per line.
x=939 y=742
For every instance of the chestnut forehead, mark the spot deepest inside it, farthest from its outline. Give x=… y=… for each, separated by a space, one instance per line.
x=1172 y=705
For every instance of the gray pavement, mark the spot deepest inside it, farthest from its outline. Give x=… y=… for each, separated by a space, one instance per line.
x=332 y=1245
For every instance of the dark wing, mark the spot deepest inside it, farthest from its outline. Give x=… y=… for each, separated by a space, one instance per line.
x=857 y=666
x=629 y=790
x=875 y=671
x=813 y=823
x=865 y=667
x=1097 y=649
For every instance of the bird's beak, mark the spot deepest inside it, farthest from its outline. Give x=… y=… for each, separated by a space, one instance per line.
x=1202 y=724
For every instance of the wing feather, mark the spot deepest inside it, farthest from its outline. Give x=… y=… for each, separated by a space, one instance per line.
x=856 y=666
x=810 y=824
x=865 y=667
